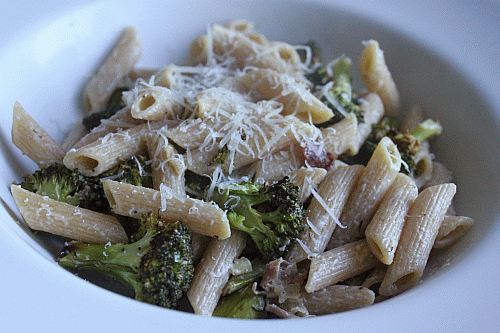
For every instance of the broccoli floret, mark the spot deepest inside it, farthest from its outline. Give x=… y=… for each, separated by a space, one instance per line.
x=237 y=282
x=243 y=304
x=58 y=182
x=114 y=104
x=337 y=92
x=158 y=266
x=196 y=184
x=272 y=215
x=62 y=184
x=135 y=171
x=408 y=143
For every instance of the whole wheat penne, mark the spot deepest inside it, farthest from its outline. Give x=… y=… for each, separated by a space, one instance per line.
x=373 y=109
x=108 y=151
x=375 y=276
x=377 y=76
x=271 y=134
x=167 y=165
x=155 y=103
x=384 y=230
x=212 y=273
x=321 y=221
x=340 y=137
x=307 y=179
x=273 y=167
x=199 y=216
x=364 y=200
x=117 y=66
x=121 y=120
x=248 y=49
x=452 y=228
x=339 y=264
x=337 y=298
x=32 y=140
x=295 y=96
x=419 y=233
x=59 y=218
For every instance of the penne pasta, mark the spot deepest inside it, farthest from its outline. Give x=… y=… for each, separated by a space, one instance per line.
x=362 y=203
x=115 y=68
x=384 y=230
x=296 y=98
x=108 y=151
x=322 y=221
x=167 y=166
x=32 y=139
x=59 y=218
x=452 y=228
x=337 y=298
x=418 y=236
x=135 y=201
x=377 y=76
x=339 y=264
x=212 y=273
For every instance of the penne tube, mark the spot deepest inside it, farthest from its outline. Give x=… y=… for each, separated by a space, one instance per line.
x=274 y=167
x=452 y=228
x=115 y=68
x=121 y=120
x=337 y=298
x=135 y=201
x=339 y=264
x=247 y=48
x=384 y=230
x=212 y=273
x=377 y=177
x=108 y=151
x=32 y=139
x=320 y=220
x=373 y=110
x=296 y=98
x=155 y=103
x=59 y=218
x=340 y=137
x=377 y=77
x=418 y=236
x=167 y=165
x=307 y=179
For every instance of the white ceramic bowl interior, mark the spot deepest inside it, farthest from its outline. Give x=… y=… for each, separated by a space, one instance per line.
x=47 y=53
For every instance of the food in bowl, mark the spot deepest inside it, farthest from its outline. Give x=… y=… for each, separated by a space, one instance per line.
x=252 y=180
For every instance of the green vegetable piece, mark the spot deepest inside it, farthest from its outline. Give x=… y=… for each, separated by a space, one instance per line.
x=243 y=304
x=158 y=266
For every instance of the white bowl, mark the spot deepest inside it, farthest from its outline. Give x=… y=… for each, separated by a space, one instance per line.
x=444 y=55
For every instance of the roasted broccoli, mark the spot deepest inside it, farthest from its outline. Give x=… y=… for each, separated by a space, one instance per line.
x=408 y=143
x=114 y=104
x=158 y=266
x=335 y=90
x=62 y=184
x=58 y=182
x=243 y=304
x=272 y=215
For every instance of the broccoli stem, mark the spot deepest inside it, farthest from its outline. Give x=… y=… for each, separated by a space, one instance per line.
x=118 y=260
x=425 y=130
x=243 y=304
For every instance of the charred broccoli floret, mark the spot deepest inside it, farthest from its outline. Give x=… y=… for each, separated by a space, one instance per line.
x=58 y=182
x=62 y=184
x=272 y=215
x=114 y=104
x=135 y=171
x=158 y=266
